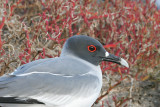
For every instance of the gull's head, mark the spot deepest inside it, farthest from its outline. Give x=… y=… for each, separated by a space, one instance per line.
x=89 y=49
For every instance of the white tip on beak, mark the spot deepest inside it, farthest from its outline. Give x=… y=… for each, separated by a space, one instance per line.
x=124 y=63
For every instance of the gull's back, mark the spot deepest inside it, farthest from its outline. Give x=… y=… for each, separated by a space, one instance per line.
x=52 y=82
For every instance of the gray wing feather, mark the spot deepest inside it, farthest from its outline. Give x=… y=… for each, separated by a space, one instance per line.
x=55 y=88
x=27 y=66
x=50 y=81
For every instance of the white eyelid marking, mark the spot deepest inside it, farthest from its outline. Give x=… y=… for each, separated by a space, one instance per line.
x=106 y=54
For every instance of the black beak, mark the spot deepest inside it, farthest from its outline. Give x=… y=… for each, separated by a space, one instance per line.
x=115 y=59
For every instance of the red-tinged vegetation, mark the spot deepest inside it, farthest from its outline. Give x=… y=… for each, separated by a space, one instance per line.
x=102 y=104
x=35 y=29
x=0 y=43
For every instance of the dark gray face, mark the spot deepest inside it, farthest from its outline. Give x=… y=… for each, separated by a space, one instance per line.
x=89 y=49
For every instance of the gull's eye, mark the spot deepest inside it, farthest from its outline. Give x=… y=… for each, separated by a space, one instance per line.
x=91 y=48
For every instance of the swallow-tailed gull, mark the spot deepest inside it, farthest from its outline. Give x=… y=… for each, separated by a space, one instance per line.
x=72 y=80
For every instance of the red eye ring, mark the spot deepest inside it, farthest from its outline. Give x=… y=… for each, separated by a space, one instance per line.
x=92 y=48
